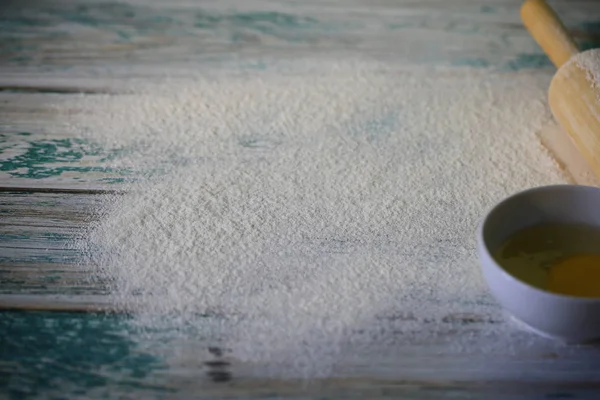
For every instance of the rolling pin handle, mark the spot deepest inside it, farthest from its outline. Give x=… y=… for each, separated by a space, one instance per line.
x=548 y=31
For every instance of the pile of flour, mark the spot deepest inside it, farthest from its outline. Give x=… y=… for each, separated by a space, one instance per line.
x=300 y=206
x=589 y=61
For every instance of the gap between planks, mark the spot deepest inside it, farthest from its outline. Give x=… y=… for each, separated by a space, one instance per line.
x=51 y=89
x=17 y=189
x=46 y=303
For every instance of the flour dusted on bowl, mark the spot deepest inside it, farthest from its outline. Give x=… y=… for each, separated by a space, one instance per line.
x=301 y=208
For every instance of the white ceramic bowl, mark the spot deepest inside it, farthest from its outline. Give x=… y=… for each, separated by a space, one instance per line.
x=571 y=319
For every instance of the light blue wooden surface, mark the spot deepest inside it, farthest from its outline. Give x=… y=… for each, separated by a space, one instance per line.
x=50 y=50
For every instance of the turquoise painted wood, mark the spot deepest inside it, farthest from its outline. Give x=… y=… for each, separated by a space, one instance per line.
x=58 y=336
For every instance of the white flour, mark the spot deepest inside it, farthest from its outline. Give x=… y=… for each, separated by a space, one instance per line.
x=589 y=61
x=316 y=208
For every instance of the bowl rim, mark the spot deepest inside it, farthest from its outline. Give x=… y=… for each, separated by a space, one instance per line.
x=483 y=247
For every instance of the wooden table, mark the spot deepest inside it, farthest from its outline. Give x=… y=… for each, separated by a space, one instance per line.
x=53 y=343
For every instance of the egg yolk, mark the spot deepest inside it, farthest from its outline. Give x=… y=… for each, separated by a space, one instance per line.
x=576 y=276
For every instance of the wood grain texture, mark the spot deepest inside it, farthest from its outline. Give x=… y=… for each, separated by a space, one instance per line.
x=60 y=336
x=574 y=99
x=35 y=258
x=564 y=151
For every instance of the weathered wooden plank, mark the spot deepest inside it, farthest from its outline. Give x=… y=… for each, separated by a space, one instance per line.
x=88 y=354
x=433 y=362
x=129 y=33
x=36 y=227
x=85 y=303
x=52 y=51
x=30 y=280
x=44 y=159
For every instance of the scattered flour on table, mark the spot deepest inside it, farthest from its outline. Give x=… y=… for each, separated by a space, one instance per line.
x=310 y=210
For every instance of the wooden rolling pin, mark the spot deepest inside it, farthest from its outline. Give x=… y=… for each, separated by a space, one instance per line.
x=574 y=93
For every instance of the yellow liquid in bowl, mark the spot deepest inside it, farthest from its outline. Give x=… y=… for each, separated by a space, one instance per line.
x=576 y=276
x=560 y=258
